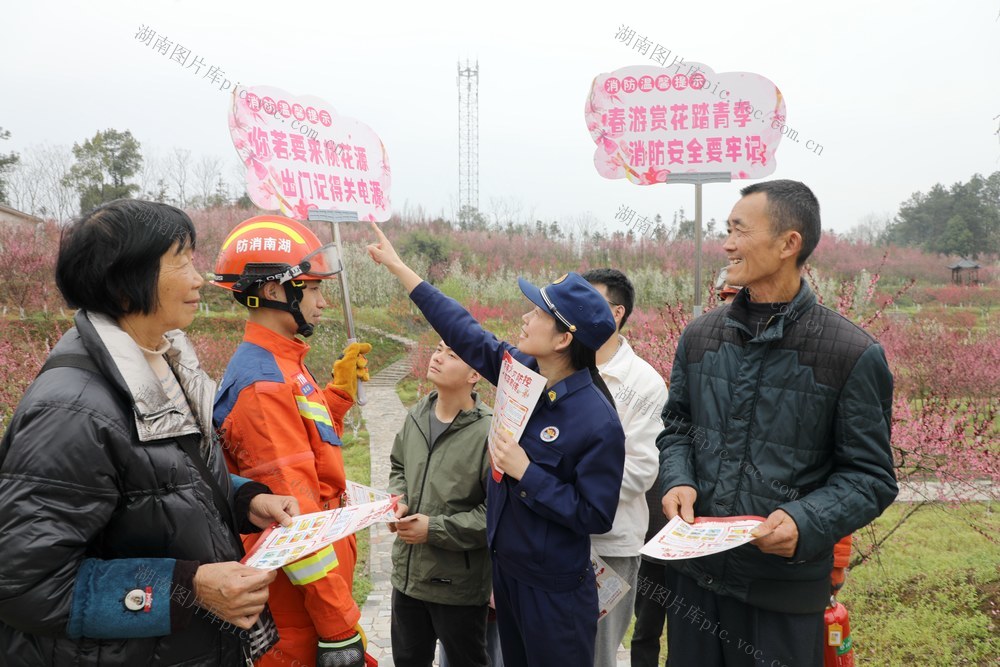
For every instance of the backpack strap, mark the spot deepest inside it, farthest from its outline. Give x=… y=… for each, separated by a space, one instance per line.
x=189 y=444
x=81 y=361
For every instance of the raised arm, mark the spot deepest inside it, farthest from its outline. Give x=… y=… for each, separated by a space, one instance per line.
x=383 y=253
x=458 y=329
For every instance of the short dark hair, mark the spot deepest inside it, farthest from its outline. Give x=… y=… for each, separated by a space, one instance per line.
x=618 y=286
x=109 y=258
x=791 y=205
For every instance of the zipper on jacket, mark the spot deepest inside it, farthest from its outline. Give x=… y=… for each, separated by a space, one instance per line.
x=753 y=413
x=746 y=441
x=423 y=482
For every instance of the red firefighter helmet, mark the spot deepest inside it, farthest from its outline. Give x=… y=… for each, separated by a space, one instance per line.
x=273 y=248
x=270 y=248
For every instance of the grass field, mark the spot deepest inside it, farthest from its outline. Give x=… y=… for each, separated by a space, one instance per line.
x=931 y=596
x=408 y=392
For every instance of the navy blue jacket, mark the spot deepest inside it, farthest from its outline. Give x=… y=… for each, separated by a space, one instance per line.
x=539 y=527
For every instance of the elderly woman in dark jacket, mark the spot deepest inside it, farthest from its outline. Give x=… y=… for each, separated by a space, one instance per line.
x=118 y=520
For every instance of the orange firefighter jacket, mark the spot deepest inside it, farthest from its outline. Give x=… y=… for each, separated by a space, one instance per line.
x=281 y=428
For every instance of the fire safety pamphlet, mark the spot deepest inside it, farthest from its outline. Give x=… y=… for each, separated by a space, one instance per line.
x=518 y=391
x=611 y=587
x=707 y=535
x=359 y=494
x=279 y=545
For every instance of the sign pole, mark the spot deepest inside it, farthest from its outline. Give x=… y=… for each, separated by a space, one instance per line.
x=698 y=180
x=696 y=311
x=334 y=218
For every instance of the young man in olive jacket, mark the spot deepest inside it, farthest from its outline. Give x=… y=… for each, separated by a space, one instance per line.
x=441 y=566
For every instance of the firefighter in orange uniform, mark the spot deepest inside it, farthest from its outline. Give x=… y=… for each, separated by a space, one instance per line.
x=279 y=426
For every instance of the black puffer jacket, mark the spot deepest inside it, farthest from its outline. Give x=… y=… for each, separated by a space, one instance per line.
x=77 y=537
x=796 y=418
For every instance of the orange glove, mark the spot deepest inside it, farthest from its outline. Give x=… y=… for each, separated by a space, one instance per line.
x=351 y=367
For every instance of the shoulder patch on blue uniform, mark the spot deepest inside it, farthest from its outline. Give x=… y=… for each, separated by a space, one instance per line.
x=251 y=363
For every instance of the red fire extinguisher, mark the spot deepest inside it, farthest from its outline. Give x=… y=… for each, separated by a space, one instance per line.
x=838 y=650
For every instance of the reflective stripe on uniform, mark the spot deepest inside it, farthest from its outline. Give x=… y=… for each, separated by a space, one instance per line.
x=313 y=568
x=317 y=412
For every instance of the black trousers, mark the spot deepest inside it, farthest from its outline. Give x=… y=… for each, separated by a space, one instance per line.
x=649 y=616
x=417 y=626
x=705 y=629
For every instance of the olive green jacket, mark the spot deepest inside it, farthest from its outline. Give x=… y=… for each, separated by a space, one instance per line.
x=448 y=484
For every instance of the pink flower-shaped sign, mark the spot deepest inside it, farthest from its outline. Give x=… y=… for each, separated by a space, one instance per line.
x=300 y=154
x=649 y=122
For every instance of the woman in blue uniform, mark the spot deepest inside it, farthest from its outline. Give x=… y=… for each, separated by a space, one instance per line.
x=562 y=479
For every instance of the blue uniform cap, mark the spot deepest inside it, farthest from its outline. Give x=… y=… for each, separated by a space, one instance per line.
x=574 y=302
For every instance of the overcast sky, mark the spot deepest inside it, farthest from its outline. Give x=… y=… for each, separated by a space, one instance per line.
x=900 y=95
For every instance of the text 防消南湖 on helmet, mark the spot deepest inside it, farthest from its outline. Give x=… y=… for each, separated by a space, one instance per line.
x=273 y=248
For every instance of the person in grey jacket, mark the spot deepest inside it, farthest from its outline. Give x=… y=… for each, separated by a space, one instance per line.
x=119 y=522
x=441 y=567
x=780 y=408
